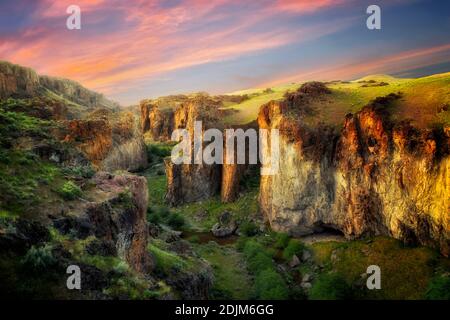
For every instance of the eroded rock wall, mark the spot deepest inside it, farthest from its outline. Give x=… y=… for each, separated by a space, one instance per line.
x=112 y=142
x=372 y=178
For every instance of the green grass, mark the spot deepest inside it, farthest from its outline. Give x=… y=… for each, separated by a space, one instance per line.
x=231 y=278
x=405 y=272
x=269 y=284
x=422 y=98
x=168 y=262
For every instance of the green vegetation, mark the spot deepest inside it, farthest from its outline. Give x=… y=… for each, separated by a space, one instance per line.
x=423 y=100
x=168 y=262
x=294 y=247
x=281 y=240
x=330 y=287
x=268 y=283
x=350 y=260
x=70 y=191
x=249 y=228
x=162 y=215
x=77 y=172
x=156 y=151
x=439 y=288
x=231 y=278
x=38 y=259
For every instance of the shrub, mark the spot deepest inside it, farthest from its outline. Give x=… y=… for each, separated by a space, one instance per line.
x=249 y=228
x=438 y=289
x=153 y=216
x=295 y=247
x=79 y=171
x=281 y=240
x=251 y=248
x=176 y=220
x=157 y=151
x=270 y=285
x=260 y=262
x=38 y=259
x=330 y=287
x=70 y=191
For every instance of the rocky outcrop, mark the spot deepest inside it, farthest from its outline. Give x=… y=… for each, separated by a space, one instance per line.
x=373 y=178
x=114 y=214
x=76 y=93
x=17 y=80
x=21 y=82
x=111 y=142
x=158 y=123
x=191 y=182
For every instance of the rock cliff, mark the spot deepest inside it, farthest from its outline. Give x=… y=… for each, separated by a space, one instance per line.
x=374 y=177
x=112 y=141
x=21 y=82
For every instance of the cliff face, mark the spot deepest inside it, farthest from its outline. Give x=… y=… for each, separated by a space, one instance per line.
x=21 y=82
x=159 y=124
x=192 y=182
x=121 y=218
x=75 y=92
x=375 y=177
x=111 y=141
x=17 y=80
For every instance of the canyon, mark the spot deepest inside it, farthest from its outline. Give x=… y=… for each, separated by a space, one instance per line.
x=374 y=176
x=84 y=181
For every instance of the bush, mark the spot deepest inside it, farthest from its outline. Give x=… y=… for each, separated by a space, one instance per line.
x=70 y=191
x=281 y=240
x=38 y=259
x=176 y=220
x=330 y=287
x=86 y=172
x=153 y=216
x=249 y=228
x=269 y=285
x=260 y=262
x=156 y=152
x=252 y=248
x=438 y=289
x=294 y=247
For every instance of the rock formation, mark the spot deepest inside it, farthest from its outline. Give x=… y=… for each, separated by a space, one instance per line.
x=20 y=82
x=112 y=141
x=191 y=182
x=375 y=177
x=116 y=214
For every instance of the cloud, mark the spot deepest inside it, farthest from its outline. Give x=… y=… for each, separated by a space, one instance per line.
x=150 y=38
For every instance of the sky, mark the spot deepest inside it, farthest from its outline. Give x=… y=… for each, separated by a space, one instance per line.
x=132 y=50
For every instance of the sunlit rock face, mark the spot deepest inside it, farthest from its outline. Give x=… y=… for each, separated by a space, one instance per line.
x=112 y=141
x=374 y=177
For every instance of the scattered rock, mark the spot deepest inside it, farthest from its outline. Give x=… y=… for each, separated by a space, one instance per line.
x=307 y=278
x=225 y=227
x=153 y=230
x=306 y=285
x=171 y=236
x=306 y=255
x=295 y=261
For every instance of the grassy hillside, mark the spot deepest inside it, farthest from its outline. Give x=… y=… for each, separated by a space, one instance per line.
x=426 y=101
